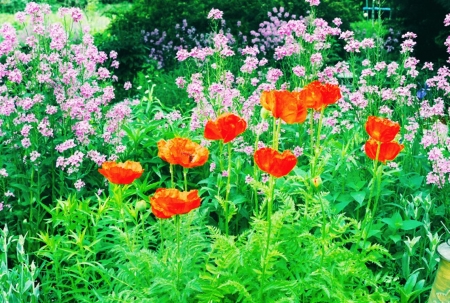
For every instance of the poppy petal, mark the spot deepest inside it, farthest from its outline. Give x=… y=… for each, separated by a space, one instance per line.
x=183 y=151
x=212 y=131
x=121 y=173
x=274 y=163
x=167 y=202
x=226 y=127
x=382 y=129
x=388 y=150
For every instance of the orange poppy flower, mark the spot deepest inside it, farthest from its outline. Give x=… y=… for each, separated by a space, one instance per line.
x=317 y=95
x=121 y=173
x=274 y=163
x=226 y=127
x=382 y=129
x=388 y=150
x=284 y=105
x=168 y=202
x=183 y=151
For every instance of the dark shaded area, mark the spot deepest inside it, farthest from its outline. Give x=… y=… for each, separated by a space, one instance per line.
x=125 y=32
x=425 y=18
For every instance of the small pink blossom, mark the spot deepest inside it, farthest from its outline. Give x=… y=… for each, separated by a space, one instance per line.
x=127 y=85
x=180 y=82
x=3 y=173
x=79 y=185
x=313 y=2
x=215 y=14
x=299 y=71
x=447 y=20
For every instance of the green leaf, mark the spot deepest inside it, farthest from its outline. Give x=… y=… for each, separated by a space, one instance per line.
x=395 y=222
x=358 y=196
x=413 y=181
x=410 y=224
x=395 y=238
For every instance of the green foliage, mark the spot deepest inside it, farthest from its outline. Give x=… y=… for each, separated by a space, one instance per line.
x=302 y=265
x=19 y=283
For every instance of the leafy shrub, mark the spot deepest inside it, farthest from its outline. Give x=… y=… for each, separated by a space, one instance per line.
x=56 y=120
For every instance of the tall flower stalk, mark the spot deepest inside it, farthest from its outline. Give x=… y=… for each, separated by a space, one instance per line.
x=380 y=147
x=120 y=175
x=225 y=128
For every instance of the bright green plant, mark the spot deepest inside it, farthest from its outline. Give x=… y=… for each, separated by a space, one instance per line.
x=19 y=283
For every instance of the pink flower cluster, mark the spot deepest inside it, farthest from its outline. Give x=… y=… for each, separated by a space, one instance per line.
x=215 y=14
x=57 y=92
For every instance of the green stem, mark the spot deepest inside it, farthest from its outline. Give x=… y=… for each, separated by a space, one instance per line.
x=269 y=230
x=369 y=214
x=276 y=132
x=177 y=222
x=317 y=146
x=185 y=171
x=276 y=128
x=118 y=190
x=161 y=234
x=255 y=177
x=323 y=229
x=311 y=131
x=227 y=190
x=171 y=176
x=31 y=198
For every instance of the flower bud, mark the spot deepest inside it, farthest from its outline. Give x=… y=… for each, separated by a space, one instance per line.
x=265 y=114
x=316 y=181
x=141 y=205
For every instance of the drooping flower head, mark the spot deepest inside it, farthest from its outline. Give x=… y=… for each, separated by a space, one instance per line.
x=382 y=129
x=226 y=127
x=317 y=95
x=275 y=163
x=121 y=173
x=388 y=150
x=168 y=202
x=183 y=151
x=284 y=105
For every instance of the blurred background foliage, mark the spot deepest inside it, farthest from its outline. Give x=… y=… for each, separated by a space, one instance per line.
x=129 y=20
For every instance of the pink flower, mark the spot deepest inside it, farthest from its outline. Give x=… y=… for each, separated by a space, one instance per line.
x=76 y=14
x=316 y=58
x=274 y=74
x=127 y=85
x=15 y=76
x=34 y=155
x=3 y=173
x=180 y=82
x=79 y=184
x=447 y=20
x=215 y=14
x=300 y=71
x=337 y=21
x=313 y=2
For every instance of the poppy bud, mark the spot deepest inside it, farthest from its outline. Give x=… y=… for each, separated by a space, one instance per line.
x=316 y=181
x=141 y=205
x=265 y=114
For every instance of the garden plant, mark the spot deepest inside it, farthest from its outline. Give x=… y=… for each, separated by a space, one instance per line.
x=299 y=162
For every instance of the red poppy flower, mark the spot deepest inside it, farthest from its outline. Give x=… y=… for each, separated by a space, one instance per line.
x=183 y=151
x=121 y=173
x=388 y=150
x=317 y=95
x=274 y=163
x=382 y=129
x=284 y=105
x=168 y=202
x=226 y=127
